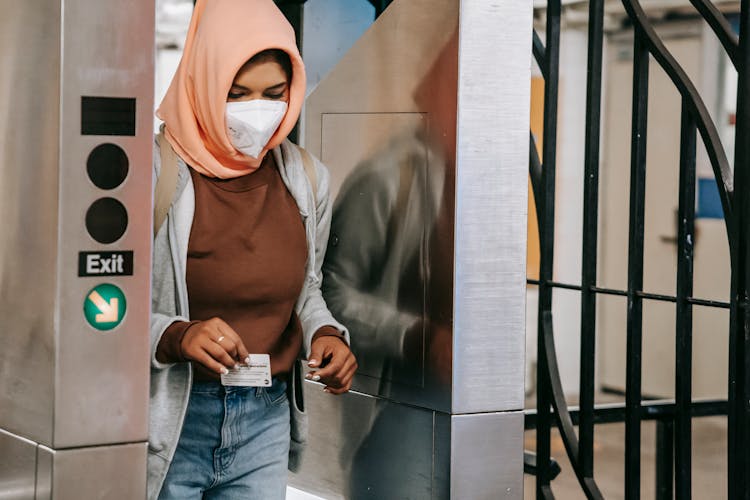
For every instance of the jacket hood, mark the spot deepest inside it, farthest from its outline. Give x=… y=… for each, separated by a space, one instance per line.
x=223 y=35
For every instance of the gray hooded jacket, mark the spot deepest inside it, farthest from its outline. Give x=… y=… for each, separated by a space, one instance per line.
x=170 y=383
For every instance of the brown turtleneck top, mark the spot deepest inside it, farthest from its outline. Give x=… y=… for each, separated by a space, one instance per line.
x=246 y=265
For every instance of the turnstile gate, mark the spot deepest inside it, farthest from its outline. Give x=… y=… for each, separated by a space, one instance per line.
x=76 y=90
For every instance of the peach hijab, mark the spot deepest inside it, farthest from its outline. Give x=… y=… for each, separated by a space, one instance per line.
x=222 y=36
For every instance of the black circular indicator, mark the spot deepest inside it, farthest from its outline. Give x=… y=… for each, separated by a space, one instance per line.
x=107 y=166
x=106 y=220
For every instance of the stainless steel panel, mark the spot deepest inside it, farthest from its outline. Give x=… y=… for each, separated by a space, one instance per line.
x=384 y=120
x=378 y=266
x=62 y=384
x=427 y=142
x=487 y=456
x=105 y=472
x=491 y=200
x=44 y=458
x=102 y=377
x=17 y=467
x=441 y=473
x=466 y=110
x=29 y=145
x=373 y=449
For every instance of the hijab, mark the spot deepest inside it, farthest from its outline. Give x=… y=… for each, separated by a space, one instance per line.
x=223 y=35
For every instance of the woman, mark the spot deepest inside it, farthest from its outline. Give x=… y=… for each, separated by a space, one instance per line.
x=236 y=278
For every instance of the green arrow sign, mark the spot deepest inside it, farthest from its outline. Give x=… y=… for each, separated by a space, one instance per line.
x=104 y=307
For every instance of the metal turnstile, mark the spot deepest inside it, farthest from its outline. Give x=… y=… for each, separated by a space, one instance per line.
x=76 y=89
x=424 y=126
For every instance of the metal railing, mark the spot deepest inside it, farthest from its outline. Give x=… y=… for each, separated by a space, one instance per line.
x=674 y=436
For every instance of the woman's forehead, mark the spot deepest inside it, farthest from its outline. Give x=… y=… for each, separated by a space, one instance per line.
x=260 y=74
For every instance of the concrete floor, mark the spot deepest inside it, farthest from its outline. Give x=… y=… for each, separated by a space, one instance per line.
x=709 y=462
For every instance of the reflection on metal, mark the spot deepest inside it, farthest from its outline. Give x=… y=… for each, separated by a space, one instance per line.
x=363 y=447
x=424 y=139
x=674 y=447
x=330 y=29
x=378 y=264
x=390 y=145
x=63 y=384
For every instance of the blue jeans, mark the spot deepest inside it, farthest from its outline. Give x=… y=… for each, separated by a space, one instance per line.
x=234 y=445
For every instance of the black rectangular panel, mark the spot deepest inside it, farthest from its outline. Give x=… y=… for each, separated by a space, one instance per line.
x=105 y=263
x=107 y=116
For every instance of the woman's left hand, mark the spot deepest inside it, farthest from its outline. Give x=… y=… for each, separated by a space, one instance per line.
x=335 y=361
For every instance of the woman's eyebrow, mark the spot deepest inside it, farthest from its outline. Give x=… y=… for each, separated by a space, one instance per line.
x=238 y=86
x=278 y=86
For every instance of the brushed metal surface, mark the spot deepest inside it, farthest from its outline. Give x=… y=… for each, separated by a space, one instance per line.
x=384 y=121
x=44 y=458
x=29 y=142
x=491 y=204
x=62 y=383
x=441 y=474
x=102 y=377
x=487 y=456
x=17 y=467
x=369 y=448
x=378 y=266
x=103 y=472
x=426 y=140
x=472 y=99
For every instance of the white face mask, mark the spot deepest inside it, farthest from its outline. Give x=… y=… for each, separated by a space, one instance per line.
x=251 y=124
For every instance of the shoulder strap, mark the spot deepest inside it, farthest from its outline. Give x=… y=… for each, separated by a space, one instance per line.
x=166 y=183
x=309 y=164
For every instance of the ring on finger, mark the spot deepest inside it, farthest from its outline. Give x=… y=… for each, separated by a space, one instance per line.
x=218 y=341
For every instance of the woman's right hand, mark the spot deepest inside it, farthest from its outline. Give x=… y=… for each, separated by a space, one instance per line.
x=215 y=345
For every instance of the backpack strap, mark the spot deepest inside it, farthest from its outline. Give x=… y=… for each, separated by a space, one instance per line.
x=166 y=183
x=309 y=164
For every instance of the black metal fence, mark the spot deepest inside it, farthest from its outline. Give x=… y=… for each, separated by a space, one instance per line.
x=674 y=437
